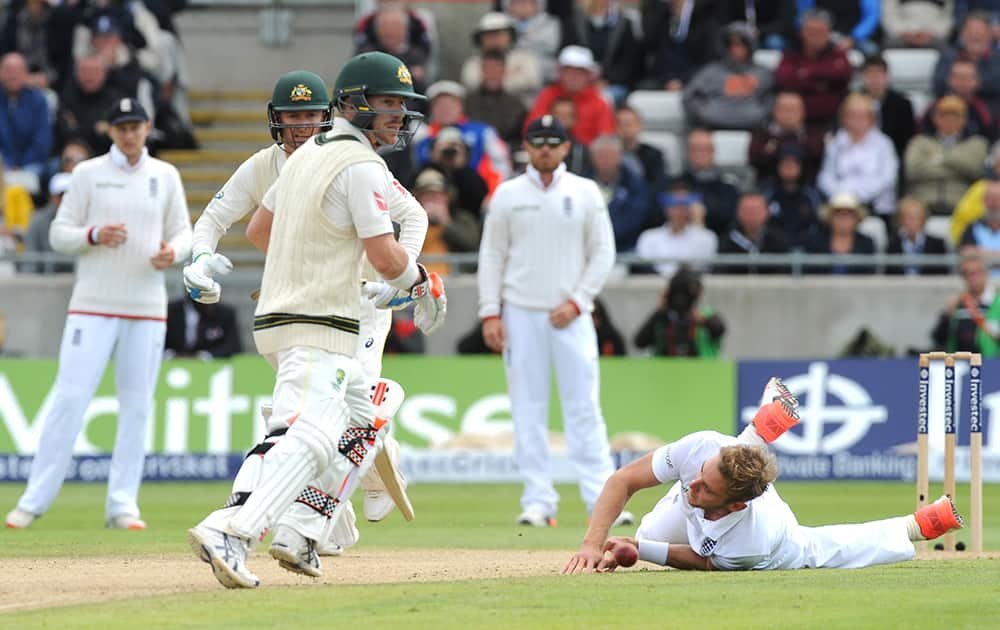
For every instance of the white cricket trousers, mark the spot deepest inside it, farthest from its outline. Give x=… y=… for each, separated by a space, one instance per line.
x=533 y=349
x=87 y=344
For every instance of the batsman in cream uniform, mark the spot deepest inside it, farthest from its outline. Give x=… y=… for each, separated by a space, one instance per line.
x=330 y=211
x=299 y=108
x=546 y=251
x=125 y=215
x=699 y=524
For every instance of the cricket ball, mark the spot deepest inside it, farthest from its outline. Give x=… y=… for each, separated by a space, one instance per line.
x=626 y=554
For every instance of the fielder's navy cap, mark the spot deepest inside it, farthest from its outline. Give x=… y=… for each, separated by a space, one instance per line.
x=127 y=110
x=548 y=126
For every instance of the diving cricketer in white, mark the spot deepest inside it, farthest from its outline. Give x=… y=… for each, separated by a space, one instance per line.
x=125 y=215
x=546 y=251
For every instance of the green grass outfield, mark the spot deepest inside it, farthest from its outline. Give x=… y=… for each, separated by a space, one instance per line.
x=952 y=593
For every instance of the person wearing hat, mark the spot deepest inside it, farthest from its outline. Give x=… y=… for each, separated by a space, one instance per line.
x=840 y=236
x=125 y=214
x=682 y=238
x=578 y=80
x=36 y=239
x=942 y=164
x=450 y=229
x=611 y=32
x=546 y=251
x=794 y=204
x=734 y=92
x=522 y=73
x=488 y=154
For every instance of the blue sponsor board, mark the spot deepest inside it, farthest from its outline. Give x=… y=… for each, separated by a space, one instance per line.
x=187 y=467
x=859 y=417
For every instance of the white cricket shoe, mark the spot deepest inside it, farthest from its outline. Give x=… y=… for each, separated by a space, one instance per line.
x=776 y=390
x=535 y=518
x=625 y=518
x=125 y=521
x=227 y=554
x=19 y=519
x=294 y=552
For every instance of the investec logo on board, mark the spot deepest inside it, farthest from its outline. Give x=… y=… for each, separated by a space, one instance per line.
x=922 y=404
x=975 y=395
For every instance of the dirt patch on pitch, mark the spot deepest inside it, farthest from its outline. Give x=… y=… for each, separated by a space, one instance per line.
x=29 y=583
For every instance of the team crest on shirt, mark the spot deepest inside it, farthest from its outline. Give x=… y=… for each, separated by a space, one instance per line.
x=301 y=92
x=403 y=75
x=153 y=186
x=339 y=380
x=707 y=546
x=380 y=202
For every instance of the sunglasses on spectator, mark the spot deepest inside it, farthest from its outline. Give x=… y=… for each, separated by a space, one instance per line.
x=540 y=142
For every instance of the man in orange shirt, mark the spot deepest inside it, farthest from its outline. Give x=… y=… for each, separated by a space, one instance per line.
x=578 y=81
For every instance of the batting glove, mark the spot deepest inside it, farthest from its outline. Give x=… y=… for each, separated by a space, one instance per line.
x=432 y=304
x=198 y=277
x=386 y=296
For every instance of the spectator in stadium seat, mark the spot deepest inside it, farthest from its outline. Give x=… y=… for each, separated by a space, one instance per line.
x=27 y=32
x=450 y=229
x=644 y=159
x=679 y=36
x=772 y=20
x=577 y=159
x=522 y=73
x=787 y=126
x=492 y=103
x=25 y=125
x=941 y=166
x=36 y=239
x=984 y=234
x=718 y=193
x=610 y=31
x=794 y=204
x=84 y=103
x=916 y=23
x=202 y=331
x=860 y=159
x=537 y=31
x=624 y=191
x=752 y=234
x=855 y=22
x=16 y=211
x=840 y=235
x=108 y=39
x=976 y=43
x=578 y=80
x=488 y=153
x=911 y=238
x=963 y=82
x=893 y=111
x=681 y=237
x=732 y=93
x=970 y=321
x=450 y=156
x=681 y=326
x=972 y=205
x=393 y=30
x=818 y=69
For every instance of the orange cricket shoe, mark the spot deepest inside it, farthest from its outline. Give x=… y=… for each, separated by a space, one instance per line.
x=774 y=418
x=938 y=518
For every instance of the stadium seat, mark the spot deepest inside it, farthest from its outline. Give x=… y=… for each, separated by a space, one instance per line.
x=660 y=110
x=672 y=147
x=731 y=148
x=911 y=69
x=921 y=100
x=767 y=58
x=856 y=57
x=874 y=228
x=940 y=227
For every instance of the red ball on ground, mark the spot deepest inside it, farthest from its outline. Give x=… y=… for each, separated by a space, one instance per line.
x=626 y=554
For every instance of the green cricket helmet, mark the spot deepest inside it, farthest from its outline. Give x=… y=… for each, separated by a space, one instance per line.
x=298 y=91
x=377 y=74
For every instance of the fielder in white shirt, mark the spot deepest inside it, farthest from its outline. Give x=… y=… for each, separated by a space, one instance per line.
x=126 y=216
x=546 y=251
x=723 y=512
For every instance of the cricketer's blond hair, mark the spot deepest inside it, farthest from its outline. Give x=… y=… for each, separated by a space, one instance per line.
x=748 y=470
